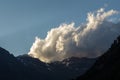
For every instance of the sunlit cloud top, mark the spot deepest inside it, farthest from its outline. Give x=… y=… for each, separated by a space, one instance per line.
x=67 y=40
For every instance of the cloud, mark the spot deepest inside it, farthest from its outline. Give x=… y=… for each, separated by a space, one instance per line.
x=89 y=40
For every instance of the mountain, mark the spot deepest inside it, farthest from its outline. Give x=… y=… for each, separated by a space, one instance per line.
x=59 y=70
x=10 y=67
x=27 y=68
x=107 y=67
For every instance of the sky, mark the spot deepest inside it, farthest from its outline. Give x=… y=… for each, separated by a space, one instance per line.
x=22 y=20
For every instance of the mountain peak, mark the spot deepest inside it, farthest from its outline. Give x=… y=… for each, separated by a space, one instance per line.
x=5 y=55
x=3 y=51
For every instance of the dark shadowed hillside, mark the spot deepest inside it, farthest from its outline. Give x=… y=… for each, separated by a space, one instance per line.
x=63 y=70
x=107 y=67
x=10 y=67
x=27 y=68
x=13 y=69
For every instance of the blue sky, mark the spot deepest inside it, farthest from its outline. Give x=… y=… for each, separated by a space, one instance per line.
x=22 y=20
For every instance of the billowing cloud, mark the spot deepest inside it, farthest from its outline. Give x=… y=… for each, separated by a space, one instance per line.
x=89 y=40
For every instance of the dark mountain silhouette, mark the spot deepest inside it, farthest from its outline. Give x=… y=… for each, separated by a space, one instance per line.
x=27 y=68
x=107 y=67
x=10 y=67
x=63 y=70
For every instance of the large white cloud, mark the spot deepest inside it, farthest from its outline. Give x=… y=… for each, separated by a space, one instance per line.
x=89 y=40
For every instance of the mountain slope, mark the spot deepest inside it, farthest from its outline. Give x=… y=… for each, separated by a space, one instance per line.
x=107 y=67
x=27 y=68
x=10 y=67
x=63 y=70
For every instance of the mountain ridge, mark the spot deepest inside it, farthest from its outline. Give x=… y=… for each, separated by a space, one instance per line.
x=66 y=68
x=25 y=67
